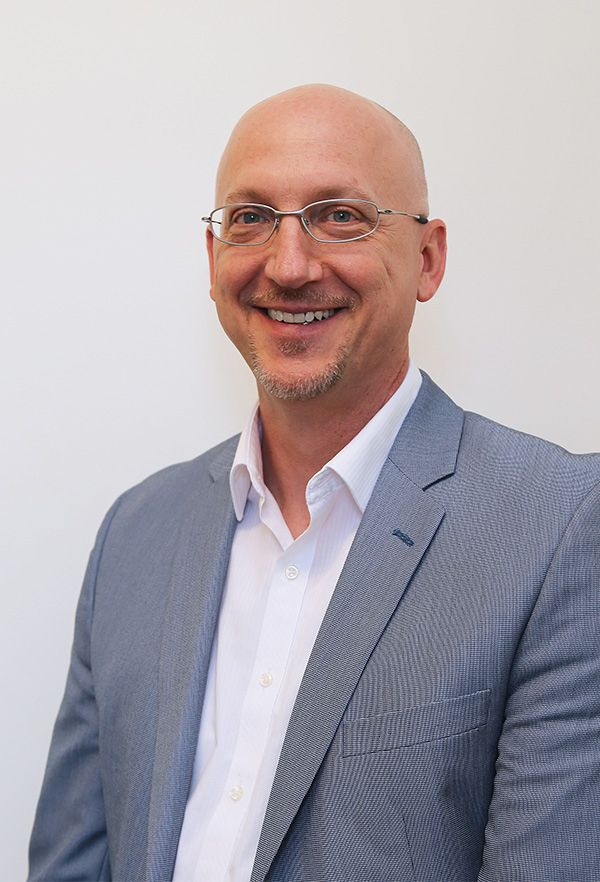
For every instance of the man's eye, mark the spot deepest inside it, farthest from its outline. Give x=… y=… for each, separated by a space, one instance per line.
x=341 y=216
x=248 y=217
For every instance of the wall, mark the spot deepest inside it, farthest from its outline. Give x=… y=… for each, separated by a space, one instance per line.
x=114 y=115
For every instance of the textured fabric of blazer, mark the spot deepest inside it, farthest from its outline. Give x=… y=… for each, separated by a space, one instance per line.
x=447 y=727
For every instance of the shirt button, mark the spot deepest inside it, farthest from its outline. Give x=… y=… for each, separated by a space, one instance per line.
x=266 y=679
x=236 y=793
x=292 y=572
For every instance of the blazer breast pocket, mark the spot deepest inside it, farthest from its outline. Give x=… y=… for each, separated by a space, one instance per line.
x=416 y=725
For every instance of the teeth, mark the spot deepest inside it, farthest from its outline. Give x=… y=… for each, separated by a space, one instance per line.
x=299 y=318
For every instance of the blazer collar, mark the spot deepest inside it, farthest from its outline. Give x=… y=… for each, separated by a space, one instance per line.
x=426 y=448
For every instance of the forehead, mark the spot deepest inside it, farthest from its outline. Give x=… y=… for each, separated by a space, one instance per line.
x=300 y=152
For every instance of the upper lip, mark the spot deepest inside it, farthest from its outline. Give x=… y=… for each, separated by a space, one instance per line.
x=292 y=304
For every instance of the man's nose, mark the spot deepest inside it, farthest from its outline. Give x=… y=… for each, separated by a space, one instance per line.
x=293 y=258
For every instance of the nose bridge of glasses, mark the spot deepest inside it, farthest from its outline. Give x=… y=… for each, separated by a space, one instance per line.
x=299 y=213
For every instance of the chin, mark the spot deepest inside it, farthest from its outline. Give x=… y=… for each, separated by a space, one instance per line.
x=288 y=387
x=296 y=388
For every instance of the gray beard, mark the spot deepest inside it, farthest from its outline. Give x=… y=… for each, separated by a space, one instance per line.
x=301 y=388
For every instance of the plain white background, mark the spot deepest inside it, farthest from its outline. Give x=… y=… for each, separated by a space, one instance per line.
x=114 y=113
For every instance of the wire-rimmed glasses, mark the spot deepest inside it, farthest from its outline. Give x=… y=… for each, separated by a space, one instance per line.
x=330 y=220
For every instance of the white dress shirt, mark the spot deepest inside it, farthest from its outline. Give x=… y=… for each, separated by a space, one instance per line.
x=276 y=594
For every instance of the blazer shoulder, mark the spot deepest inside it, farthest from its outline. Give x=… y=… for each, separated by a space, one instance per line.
x=176 y=487
x=478 y=458
x=508 y=453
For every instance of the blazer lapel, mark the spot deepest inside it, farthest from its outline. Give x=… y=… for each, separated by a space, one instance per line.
x=190 y=621
x=396 y=530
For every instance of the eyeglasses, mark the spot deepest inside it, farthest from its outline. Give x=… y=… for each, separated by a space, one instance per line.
x=331 y=220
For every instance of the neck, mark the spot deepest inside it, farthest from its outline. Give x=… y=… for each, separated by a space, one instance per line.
x=300 y=437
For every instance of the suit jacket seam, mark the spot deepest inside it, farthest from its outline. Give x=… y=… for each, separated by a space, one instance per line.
x=562 y=540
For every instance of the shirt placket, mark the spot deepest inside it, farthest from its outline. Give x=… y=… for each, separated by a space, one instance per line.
x=282 y=611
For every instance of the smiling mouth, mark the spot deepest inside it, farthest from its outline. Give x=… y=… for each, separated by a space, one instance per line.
x=300 y=318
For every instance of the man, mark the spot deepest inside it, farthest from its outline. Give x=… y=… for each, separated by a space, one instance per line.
x=362 y=642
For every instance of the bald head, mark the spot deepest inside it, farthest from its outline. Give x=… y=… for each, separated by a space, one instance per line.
x=323 y=117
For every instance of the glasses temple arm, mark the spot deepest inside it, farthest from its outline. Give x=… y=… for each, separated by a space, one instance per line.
x=418 y=217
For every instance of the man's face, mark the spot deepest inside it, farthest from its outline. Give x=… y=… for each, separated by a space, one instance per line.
x=287 y=155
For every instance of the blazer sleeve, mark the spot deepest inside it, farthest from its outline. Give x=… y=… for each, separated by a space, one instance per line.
x=69 y=840
x=544 y=815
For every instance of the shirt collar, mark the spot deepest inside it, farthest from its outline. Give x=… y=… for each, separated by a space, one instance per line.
x=358 y=464
x=246 y=470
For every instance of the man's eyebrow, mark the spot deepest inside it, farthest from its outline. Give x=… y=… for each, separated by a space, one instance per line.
x=337 y=192
x=244 y=196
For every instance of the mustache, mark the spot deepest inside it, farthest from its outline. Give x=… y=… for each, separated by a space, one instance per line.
x=308 y=296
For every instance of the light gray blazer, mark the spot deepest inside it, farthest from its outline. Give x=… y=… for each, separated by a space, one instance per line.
x=448 y=723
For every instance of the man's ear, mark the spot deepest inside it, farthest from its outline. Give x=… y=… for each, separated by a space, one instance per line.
x=433 y=252
x=210 y=241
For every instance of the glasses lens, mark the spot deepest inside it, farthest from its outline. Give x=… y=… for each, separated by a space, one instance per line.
x=243 y=224
x=338 y=219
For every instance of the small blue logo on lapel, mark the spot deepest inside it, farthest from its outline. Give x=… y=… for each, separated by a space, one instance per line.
x=406 y=539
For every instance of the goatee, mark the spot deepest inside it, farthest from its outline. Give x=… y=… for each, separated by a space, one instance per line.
x=299 y=388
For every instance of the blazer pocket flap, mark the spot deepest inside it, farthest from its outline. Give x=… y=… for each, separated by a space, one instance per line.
x=416 y=725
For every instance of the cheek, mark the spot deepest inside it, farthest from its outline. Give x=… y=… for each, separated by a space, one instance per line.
x=233 y=280
x=392 y=288
x=360 y=272
x=402 y=268
x=234 y=275
x=233 y=321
